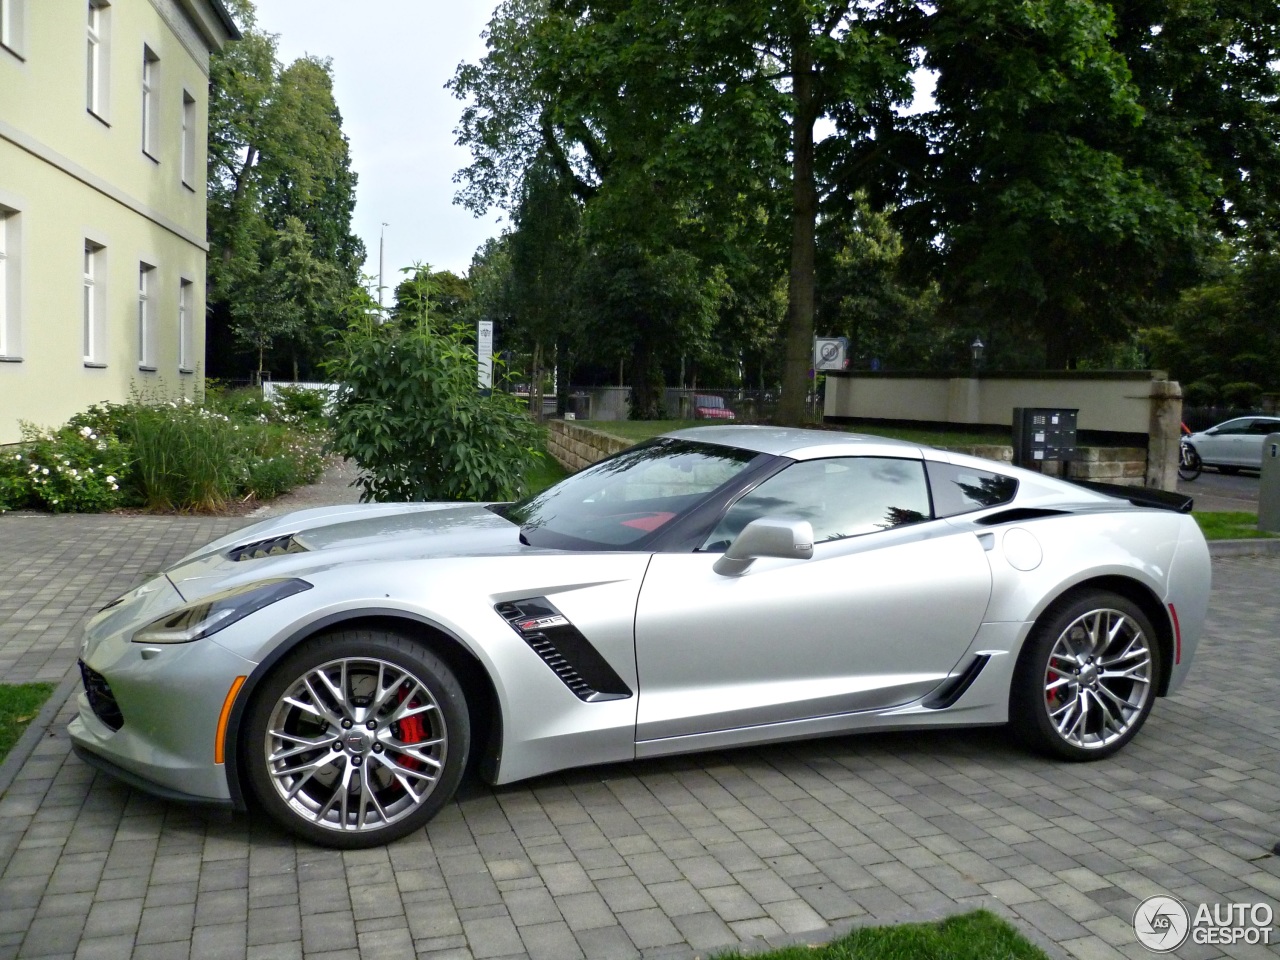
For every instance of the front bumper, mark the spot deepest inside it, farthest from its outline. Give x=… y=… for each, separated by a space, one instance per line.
x=169 y=698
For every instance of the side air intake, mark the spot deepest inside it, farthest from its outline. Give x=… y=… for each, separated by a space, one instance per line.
x=564 y=649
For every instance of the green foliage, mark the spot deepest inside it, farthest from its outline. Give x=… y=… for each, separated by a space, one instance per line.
x=410 y=414
x=73 y=469
x=283 y=261
x=301 y=406
x=979 y=935
x=172 y=455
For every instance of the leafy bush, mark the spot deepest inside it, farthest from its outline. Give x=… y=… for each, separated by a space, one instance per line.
x=240 y=403
x=410 y=414
x=174 y=455
x=279 y=459
x=15 y=484
x=73 y=469
x=301 y=406
x=186 y=456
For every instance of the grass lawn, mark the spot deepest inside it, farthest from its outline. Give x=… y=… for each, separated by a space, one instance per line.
x=1229 y=526
x=972 y=936
x=19 y=704
x=546 y=472
x=637 y=430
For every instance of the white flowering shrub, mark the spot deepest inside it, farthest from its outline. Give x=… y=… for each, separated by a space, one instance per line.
x=168 y=455
x=71 y=470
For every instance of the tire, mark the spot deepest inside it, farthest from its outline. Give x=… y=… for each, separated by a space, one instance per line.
x=370 y=710
x=1076 y=694
x=1189 y=464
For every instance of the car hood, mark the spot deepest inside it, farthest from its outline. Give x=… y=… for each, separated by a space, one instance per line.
x=296 y=543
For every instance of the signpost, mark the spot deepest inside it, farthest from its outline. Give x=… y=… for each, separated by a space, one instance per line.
x=484 y=355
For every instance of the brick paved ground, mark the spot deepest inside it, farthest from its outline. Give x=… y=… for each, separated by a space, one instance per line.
x=653 y=859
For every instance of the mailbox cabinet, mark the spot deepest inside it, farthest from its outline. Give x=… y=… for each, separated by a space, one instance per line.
x=1043 y=434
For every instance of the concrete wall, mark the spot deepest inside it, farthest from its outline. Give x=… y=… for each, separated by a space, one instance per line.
x=1106 y=401
x=576 y=446
x=68 y=175
x=1143 y=402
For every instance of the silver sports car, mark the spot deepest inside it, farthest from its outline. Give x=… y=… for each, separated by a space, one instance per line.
x=727 y=585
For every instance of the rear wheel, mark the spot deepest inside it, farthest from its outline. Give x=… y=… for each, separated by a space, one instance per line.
x=357 y=739
x=1086 y=679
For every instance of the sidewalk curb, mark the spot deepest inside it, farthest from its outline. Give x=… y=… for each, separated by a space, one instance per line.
x=1259 y=546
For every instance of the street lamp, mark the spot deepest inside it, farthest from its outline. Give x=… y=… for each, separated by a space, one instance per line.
x=381 y=261
x=975 y=350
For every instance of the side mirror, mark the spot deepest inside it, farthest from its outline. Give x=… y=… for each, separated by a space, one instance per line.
x=766 y=537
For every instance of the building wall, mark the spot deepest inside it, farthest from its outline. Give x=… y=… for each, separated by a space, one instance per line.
x=74 y=175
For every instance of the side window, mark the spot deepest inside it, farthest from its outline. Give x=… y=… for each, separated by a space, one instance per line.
x=959 y=489
x=840 y=496
x=1264 y=427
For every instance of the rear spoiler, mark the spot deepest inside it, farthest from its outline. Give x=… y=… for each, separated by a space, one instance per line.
x=1139 y=496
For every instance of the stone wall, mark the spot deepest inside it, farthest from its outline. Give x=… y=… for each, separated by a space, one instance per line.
x=576 y=446
x=1126 y=466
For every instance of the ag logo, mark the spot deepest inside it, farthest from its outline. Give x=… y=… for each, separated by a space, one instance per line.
x=1161 y=923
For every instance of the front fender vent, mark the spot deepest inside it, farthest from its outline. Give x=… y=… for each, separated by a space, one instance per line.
x=564 y=649
x=274 y=547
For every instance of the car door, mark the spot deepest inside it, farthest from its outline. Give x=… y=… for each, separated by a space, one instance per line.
x=1225 y=443
x=1259 y=430
x=879 y=615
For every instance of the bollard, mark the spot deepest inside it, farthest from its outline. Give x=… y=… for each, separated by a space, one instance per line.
x=1269 y=485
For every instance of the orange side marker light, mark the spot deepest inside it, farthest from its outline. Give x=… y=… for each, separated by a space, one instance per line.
x=220 y=739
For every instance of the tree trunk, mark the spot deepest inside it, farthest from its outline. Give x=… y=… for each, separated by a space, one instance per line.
x=804 y=215
x=535 y=384
x=646 y=383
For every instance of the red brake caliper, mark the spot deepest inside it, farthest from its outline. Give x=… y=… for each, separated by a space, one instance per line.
x=1051 y=696
x=410 y=730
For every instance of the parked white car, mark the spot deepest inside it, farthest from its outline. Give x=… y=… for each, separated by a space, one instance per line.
x=1235 y=444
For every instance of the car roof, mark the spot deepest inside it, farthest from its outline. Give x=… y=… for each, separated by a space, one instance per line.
x=796 y=443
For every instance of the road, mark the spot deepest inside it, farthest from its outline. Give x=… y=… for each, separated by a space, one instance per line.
x=1218 y=491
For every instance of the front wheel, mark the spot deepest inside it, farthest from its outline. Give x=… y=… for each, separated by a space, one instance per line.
x=356 y=739
x=1189 y=464
x=1085 y=681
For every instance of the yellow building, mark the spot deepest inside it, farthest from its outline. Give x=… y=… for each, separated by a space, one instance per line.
x=103 y=127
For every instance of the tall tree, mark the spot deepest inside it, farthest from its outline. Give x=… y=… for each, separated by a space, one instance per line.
x=278 y=160
x=692 y=103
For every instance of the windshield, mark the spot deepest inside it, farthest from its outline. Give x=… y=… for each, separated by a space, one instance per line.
x=620 y=501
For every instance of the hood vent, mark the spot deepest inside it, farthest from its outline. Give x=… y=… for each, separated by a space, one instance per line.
x=275 y=547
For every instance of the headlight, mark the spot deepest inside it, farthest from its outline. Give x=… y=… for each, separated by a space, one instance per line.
x=217 y=612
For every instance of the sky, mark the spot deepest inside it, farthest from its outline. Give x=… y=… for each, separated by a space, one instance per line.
x=391 y=59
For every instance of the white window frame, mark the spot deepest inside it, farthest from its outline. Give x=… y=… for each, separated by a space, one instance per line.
x=188 y=139
x=98 y=58
x=10 y=278
x=12 y=21
x=95 y=303
x=150 y=82
x=186 y=325
x=146 y=316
